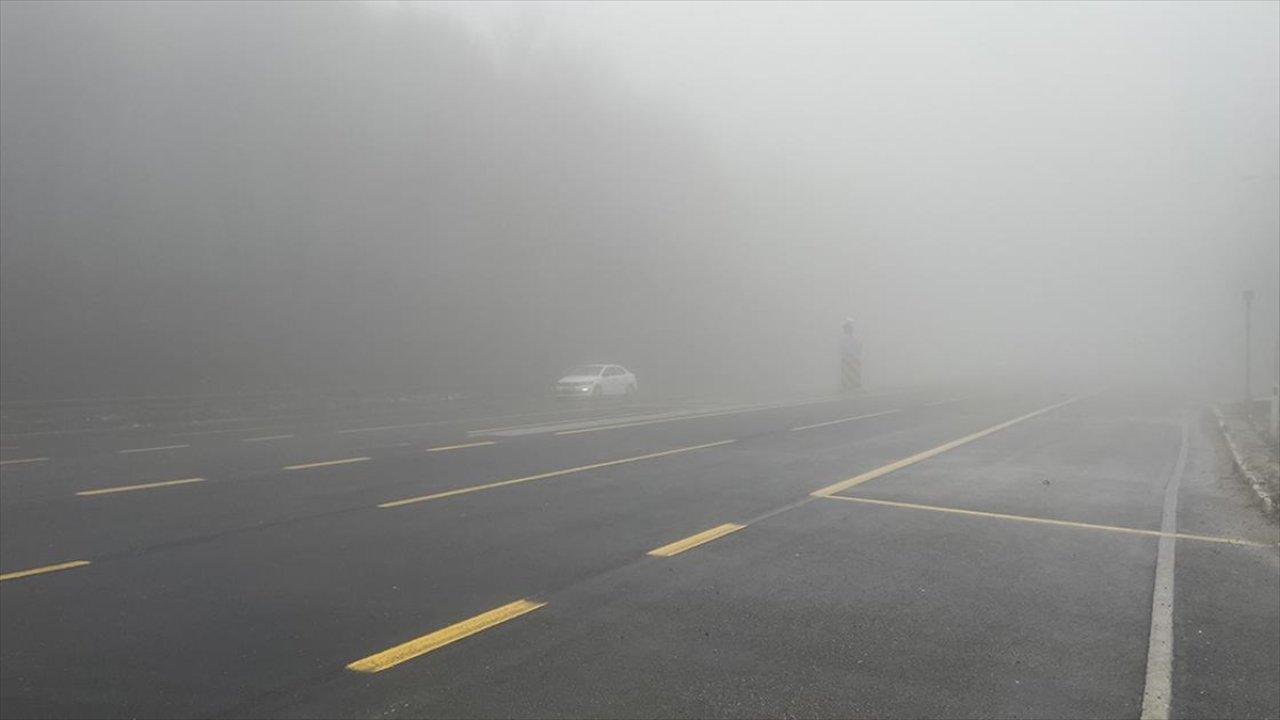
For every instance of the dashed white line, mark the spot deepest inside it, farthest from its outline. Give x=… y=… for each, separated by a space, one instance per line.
x=152 y=449
x=844 y=420
x=267 y=437
x=944 y=402
x=23 y=461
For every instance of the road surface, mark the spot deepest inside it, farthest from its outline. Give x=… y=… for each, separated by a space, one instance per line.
x=904 y=554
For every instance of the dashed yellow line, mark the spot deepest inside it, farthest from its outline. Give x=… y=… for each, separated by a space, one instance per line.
x=1048 y=521
x=463 y=445
x=844 y=420
x=326 y=463
x=23 y=461
x=693 y=541
x=391 y=657
x=42 y=570
x=541 y=476
x=143 y=486
x=891 y=467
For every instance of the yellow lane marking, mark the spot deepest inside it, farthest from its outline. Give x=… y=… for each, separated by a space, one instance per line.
x=693 y=541
x=1048 y=521
x=844 y=420
x=143 y=486
x=42 y=570
x=152 y=449
x=540 y=476
x=391 y=657
x=463 y=445
x=23 y=461
x=326 y=463
x=265 y=438
x=878 y=472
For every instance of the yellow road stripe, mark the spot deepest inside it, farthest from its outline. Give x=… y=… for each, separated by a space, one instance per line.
x=693 y=541
x=432 y=641
x=326 y=463
x=144 y=486
x=22 y=461
x=878 y=472
x=844 y=420
x=463 y=445
x=553 y=473
x=266 y=438
x=151 y=449
x=42 y=570
x=1048 y=521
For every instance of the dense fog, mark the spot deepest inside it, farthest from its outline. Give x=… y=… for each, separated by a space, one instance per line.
x=242 y=197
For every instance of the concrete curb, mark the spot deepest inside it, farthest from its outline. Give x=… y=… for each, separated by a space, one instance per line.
x=1237 y=459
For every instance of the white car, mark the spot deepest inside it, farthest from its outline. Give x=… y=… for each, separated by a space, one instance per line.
x=596 y=381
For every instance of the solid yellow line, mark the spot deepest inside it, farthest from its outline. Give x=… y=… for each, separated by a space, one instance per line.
x=553 y=473
x=326 y=463
x=1049 y=521
x=463 y=445
x=42 y=570
x=693 y=541
x=843 y=420
x=24 y=460
x=144 y=486
x=420 y=646
x=878 y=472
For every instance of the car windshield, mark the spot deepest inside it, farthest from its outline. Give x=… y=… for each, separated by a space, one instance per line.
x=585 y=370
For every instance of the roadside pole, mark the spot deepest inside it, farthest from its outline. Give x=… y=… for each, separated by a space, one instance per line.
x=1248 y=346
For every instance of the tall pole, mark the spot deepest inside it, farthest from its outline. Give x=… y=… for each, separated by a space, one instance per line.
x=1248 y=346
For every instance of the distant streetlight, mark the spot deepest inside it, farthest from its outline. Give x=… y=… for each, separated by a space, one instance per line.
x=1248 y=345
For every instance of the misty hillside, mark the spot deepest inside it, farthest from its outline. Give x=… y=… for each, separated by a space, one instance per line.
x=207 y=198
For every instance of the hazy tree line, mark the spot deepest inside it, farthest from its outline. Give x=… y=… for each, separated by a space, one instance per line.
x=222 y=197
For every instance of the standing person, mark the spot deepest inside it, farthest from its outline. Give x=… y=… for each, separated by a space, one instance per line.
x=850 y=358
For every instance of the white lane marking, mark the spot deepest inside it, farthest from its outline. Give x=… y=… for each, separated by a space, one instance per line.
x=945 y=402
x=1157 y=693
x=265 y=438
x=192 y=433
x=565 y=427
x=152 y=449
x=844 y=420
x=736 y=410
x=23 y=461
x=595 y=424
x=442 y=448
x=460 y=421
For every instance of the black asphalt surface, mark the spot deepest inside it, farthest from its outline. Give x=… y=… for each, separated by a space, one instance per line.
x=248 y=593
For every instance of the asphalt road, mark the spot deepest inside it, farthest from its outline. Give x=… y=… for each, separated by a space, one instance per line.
x=903 y=554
